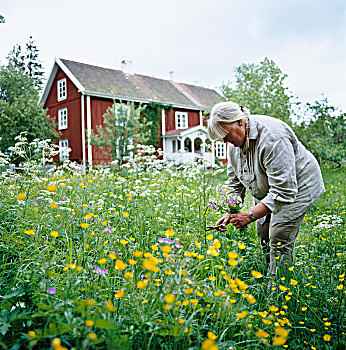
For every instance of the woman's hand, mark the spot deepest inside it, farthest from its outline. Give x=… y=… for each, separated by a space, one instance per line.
x=225 y=220
x=241 y=219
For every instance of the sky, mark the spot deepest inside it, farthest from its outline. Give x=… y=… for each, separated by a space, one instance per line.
x=202 y=41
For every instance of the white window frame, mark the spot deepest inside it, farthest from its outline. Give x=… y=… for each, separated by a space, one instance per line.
x=62 y=89
x=62 y=119
x=64 y=150
x=181 y=120
x=220 y=150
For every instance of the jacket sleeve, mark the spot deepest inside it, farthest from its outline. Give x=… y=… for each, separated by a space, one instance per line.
x=279 y=162
x=236 y=188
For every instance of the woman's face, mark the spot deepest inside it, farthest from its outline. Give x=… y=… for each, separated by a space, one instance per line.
x=235 y=133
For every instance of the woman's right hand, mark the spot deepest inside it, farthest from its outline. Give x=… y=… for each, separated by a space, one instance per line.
x=224 y=221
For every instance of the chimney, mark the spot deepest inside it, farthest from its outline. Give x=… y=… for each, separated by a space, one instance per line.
x=171 y=75
x=127 y=66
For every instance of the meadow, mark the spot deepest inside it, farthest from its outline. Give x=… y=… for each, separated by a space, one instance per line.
x=120 y=258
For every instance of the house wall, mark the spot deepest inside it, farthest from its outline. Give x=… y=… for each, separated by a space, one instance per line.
x=73 y=104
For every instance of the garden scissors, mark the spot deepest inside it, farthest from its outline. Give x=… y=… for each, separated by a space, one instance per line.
x=209 y=228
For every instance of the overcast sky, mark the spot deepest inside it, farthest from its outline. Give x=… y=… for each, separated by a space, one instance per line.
x=202 y=41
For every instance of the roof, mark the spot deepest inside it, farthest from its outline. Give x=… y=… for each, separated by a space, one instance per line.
x=184 y=132
x=112 y=83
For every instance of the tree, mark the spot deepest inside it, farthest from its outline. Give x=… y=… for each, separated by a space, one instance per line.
x=2 y=19
x=123 y=125
x=260 y=87
x=323 y=131
x=28 y=61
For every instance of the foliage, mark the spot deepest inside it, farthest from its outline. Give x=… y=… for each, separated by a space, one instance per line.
x=2 y=19
x=27 y=62
x=20 y=110
x=123 y=260
x=123 y=125
x=322 y=130
x=153 y=115
x=261 y=88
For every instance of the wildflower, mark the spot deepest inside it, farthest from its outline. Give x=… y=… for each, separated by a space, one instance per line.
x=71 y=266
x=273 y=308
x=169 y=298
x=326 y=337
x=251 y=299
x=304 y=308
x=30 y=232
x=90 y=302
x=209 y=237
x=32 y=334
x=84 y=225
x=232 y=262
x=312 y=330
x=211 y=335
x=197 y=244
x=180 y=320
x=102 y=261
x=92 y=336
x=283 y=288
x=282 y=332
x=209 y=344
x=241 y=314
x=340 y=287
x=110 y=306
x=293 y=282
x=169 y=272
x=128 y=275
x=125 y=214
x=120 y=265
x=137 y=254
x=89 y=323
x=142 y=284
x=54 y=233
x=53 y=205
x=154 y=248
x=124 y=241
x=132 y=262
x=120 y=293
x=51 y=188
x=166 y=249
x=101 y=271
x=279 y=340
x=241 y=246
x=112 y=256
x=232 y=255
x=21 y=196
x=51 y=291
x=169 y=233
x=262 y=334
x=217 y=243
x=256 y=274
x=194 y=301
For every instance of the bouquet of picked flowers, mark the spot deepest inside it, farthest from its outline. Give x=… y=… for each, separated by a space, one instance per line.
x=224 y=202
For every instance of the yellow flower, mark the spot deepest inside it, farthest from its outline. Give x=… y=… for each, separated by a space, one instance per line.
x=154 y=248
x=54 y=233
x=142 y=284
x=251 y=299
x=194 y=301
x=256 y=274
x=110 y=306
x=150 y=265
x=241 y=246
x=197 y=244
x=169 y=298
x=51 y=188
x=304 y=308
x=92 y=336
x=89 y=216
x=283 y=288
x=279 y=340
x=293 y=282
x=262 y=334
x=217 y=243
x=120 y=293
x=186 y=302
x=211 y=335
x=128 y=275
x=32 y=334
x=232 y=262
x=210 y=237
x=282 y=332
x=124 y=241
x=84 y=225
x=120 y=265
x=21 y=196
x=340 y=287
x=90 y=302
x=326 y=337
x=273 y=308
x=104 y=223
x=169 y=272
x=125 y=214
x=62 y=185
x=232 y=255
x=209 y=344
x=30 y=232
x=169 y=233
x=180 y=320
x=241 y=314
x=102 y=261
x=166 y=249
x=89 y=323
x=53 y=205
x=212 y=278
x=71 y=266
x=132 y=262
x=112 y=256
x=137 y=254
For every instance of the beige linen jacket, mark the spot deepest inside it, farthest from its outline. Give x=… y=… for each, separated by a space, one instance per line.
x=277 y=169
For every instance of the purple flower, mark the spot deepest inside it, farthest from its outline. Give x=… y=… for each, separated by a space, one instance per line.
x=108 y=229
x=178 y=245
x=51 y=291
x=101 y=271
x=187 y=259
x=90 y=266
x=48 y=281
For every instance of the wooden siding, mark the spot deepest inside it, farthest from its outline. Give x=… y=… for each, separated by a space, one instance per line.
x=73 y=104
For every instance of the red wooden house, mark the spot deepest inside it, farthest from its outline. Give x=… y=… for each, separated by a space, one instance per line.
x=77 y=95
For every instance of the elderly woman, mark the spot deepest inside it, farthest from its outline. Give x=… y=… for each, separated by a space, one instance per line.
x=266 y=158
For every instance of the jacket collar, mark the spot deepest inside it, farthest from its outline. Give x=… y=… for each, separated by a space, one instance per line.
x=253 y=132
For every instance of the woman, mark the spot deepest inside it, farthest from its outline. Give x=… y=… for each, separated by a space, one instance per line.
x=266 y=158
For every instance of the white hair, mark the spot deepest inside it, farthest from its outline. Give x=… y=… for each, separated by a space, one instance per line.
x=224 y=112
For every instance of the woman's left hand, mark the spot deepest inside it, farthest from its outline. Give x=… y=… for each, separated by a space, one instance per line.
x=241 y=219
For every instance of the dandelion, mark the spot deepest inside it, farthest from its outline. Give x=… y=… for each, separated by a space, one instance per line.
x=21 y=196
x=54 y=233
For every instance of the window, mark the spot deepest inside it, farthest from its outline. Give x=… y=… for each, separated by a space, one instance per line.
x=64 y=150
x=62 y=119
x=220 y=150
x=181 y=120
x=62 y=91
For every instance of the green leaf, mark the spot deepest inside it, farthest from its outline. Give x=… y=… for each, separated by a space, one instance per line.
x=105 y=324
x=44 y=306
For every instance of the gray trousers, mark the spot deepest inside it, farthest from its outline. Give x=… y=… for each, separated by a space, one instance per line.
x=277 y=243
